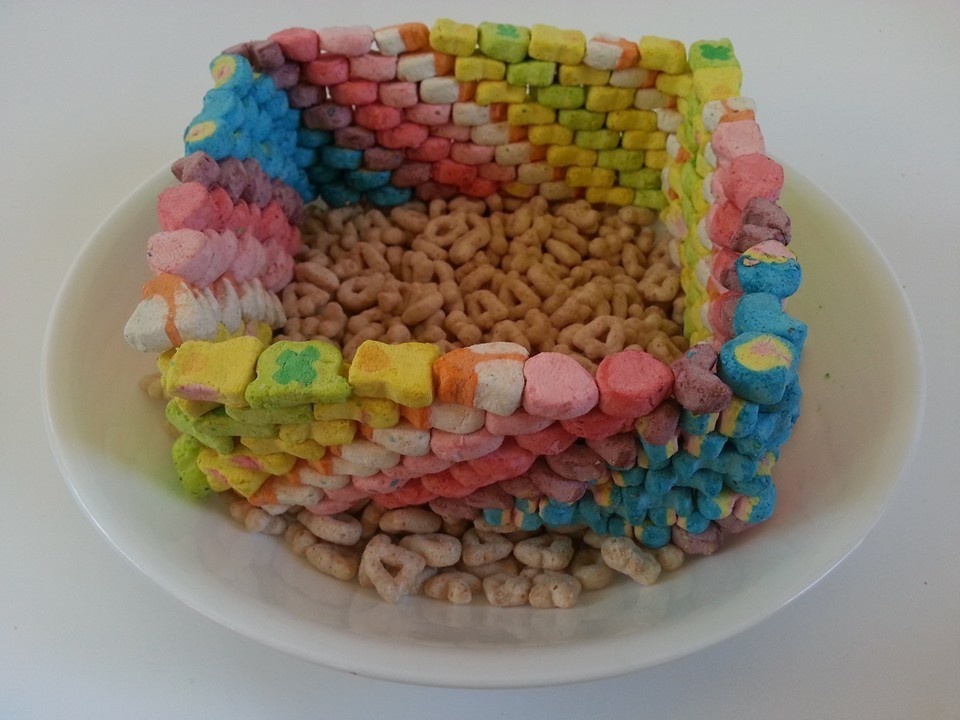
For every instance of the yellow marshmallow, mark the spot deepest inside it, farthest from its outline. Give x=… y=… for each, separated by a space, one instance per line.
x=401 y=373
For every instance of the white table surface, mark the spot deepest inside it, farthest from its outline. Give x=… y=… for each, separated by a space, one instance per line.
x=862 y=98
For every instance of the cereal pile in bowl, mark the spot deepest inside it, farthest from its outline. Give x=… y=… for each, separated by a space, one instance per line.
x=487 y=313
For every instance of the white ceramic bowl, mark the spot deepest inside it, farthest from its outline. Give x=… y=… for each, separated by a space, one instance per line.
x=863 y=396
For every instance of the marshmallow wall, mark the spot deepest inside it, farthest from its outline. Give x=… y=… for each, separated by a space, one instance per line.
x=643 y=449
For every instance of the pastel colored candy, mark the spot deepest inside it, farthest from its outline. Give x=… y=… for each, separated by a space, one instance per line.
x=696 y=387
x=632 y=383
x=488 y=376
x=578 y=462
x=732 y=139
x=215 y=372
x=769 y=268
x=517 y=423
x=597 y=425
x=415 y=465
x=185 y=451
x=454 y=418
x=402 y=438
x=350 y=41
x=461 y=447
x=763 y=312
x=557 y=386
x=758 y=366
x=294 y=373
x=401 y=373
x=553 y=485
x=618 y=451
x=761 y=220
x=552 y=440
x=507 y=461
x=298 y=44
x=745 y=177
x=406 y=37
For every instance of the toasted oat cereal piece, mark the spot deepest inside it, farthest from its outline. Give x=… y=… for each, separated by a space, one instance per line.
x=457 y=588
x=548 y=551
x=589 y=568
x=554 y=590
x=392 y=570
x=504 y=590
x=625 y=556
x=439 y=550
x=340 y=562
x=669 y=556
x=339 y=529
x=481 y=547
x=410 y=520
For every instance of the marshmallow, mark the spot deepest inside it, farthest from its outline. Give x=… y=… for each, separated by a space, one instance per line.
x=557 y=386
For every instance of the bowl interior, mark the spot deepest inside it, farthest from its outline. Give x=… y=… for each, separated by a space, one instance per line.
x=859 y=423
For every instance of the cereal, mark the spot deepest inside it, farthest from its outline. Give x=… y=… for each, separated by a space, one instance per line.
x=496 y=265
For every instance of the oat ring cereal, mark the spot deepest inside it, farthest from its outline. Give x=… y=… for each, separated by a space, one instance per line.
x=486 y=313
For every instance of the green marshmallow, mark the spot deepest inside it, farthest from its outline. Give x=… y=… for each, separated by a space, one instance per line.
x=536 y=73
x=218 y=424
x=187 y=425
x=507 y=43
x=298 y=373
x=621 y=160
x=561 y=97
x=597 y=139
x=642 y=179
x=581 y=119
x=272 y=416
x=185 y=451
x=712 y=54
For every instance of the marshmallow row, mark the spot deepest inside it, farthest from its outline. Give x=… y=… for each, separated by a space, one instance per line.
x=225 y=249
x=349 y=114
x=641 y=449
x=453 y=109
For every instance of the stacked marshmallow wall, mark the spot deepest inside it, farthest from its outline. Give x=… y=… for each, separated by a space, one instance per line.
x=656 y=149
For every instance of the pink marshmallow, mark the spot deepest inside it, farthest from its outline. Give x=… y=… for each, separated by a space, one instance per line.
x=732 y=139
x=399 y=94
x=250 y=259
x=578 y=462
x=597 y=425
x=746 y=177
x=354 y=92
x=187 y=205
x=416 y=465
x=632 y=383
x=660 y=426
x=404 y=135
x=459 y=448
x=618 y=451
x=520 y=487
x=278 y=271
x=427 y=113
x=373 y=66
x=507 y=461
x=451 y=131
x=185 y=253
x=350 y=41
x=558 y=387
x=454 y=509
x=519 y=423
x=470 y=154
x=298 y=44
x=490 y=496
x=445 y=485
x=430 y=150
x=723 y=221
x=326 y=70
x=377 y=117
x=553 y=485
x=411 y=174
x=552 y=440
